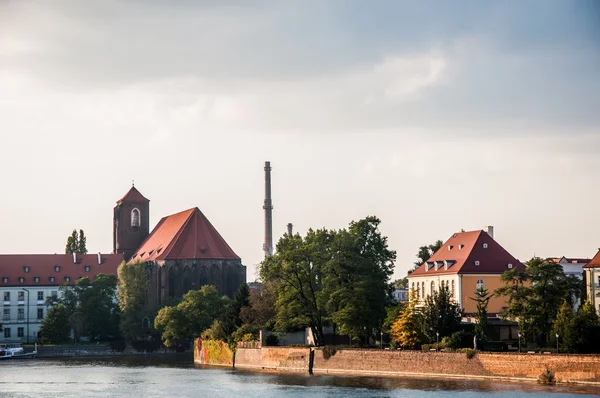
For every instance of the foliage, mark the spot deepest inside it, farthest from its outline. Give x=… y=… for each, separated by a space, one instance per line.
x=215 y=332
x=470 y=353
x=425 y=253
x=132 y=296
x=407 y=329
x=260 y=314
x=482 y=299
x=55 y=327
x=232 y=317
x=440 y=314
x=118 y=345
x=217 y=352
x=393 y=312
x=577 y=332
x=534 y=296
x=76 y=243
x=460 y=339
x=547 y=377
x=400 y=283
x=191 y=316
x=272 y=340
x=329 y=351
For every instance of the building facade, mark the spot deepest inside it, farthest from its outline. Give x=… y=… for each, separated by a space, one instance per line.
x=592 y=281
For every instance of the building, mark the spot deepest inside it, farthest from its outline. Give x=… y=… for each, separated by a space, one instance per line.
x=400 y=295
x=466 y=262
x=592 y=281
x=572 y=265
x=28 y=279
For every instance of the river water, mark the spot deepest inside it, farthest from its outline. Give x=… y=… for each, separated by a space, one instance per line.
x=178 y=377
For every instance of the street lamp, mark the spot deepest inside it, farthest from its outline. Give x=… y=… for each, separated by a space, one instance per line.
x=519 y=334
x=557 y=343
x=381 y=341
x=437 y=341
x=27 y=313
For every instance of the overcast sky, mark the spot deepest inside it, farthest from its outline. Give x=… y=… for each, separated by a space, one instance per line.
x=432 y=115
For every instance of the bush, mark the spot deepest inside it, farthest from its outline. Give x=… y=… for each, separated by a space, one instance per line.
x=547 y=377
x=329 y=351
x=272 y=340
x=469 y=352
x=118 y=345
x=461 y=339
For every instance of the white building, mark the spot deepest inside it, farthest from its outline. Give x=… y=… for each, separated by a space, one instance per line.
x=27 y=280
x=400 y=295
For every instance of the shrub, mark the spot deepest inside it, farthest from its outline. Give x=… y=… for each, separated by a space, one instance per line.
x=118 y=345
x=272 y=340
x=547 y=377
x=461 y=339
x=329 y=351
x=469 y=352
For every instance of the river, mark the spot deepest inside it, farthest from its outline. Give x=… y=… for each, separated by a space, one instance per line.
x=178 y=377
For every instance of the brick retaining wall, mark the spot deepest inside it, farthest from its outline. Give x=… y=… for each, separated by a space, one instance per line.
x=290 y=359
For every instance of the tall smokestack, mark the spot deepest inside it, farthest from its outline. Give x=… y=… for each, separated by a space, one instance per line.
x=290 y=228
x=268 y=206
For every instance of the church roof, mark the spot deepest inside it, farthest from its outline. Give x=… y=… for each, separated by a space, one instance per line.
x=473 y=252
x=595 y=262
x=41 y=269
x=184 y=235
x=133 y=195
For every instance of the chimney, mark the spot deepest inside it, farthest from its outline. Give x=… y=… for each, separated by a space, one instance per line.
x=490 y=231
x=74 y=258
x=268 y=207
x=99 y=259
x=290 y=228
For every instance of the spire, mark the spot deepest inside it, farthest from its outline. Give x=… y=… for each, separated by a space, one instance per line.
x=133 y=195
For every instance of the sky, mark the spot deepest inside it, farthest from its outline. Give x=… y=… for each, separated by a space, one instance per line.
x=433 y=116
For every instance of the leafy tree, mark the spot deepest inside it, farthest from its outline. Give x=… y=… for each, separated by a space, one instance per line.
x=400 y=283
x=482 y=299
x=232 y=319
x=260 y=314
x=76 y=243
x=55 y=327
x=586 y=329
x=425 y=253
x=81 y=244
x=407 y=329
x=440 y=315
x=132 y=295
x=192 y=316
x=564 y=327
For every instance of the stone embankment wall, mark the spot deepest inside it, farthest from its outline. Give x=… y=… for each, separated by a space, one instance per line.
x=506 y=366
x=88 y=351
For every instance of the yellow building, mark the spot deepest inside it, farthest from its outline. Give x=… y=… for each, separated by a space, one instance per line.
x=466 y=262
x=592 y=281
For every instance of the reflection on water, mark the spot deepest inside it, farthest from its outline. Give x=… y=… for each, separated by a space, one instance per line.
x=177 y=377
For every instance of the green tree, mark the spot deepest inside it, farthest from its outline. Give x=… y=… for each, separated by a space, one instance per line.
x=440 y=315
x=232 y=319
x=586 y=329
x=132 y=293
x=482 y=299
x=407 y=330
x=81 y=243
x=55 y=326
x=564 y=326
x=425 y=253
x=401 y=283
x=192 y=316
x=72 y=243
x=260 y=314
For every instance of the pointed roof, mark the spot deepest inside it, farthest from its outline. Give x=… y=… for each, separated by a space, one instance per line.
x=184 y=235
x=473 y=252
x=133 y=195
x=595 y=262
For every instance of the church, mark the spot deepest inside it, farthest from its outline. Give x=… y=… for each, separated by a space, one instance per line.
x=183 y=252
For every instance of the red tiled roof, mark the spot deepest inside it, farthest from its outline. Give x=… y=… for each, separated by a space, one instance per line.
x=595 y=262
x=462 y=259
x=133 y=195
x=42 y=266
x=184 y=235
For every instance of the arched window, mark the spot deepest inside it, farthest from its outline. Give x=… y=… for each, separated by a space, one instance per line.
x=135 y=218
x=418 y=287
x=442 y=285
x=187 y=280
x=432 y=287
x=480 y=284
x=452 y=288
x=423 y=289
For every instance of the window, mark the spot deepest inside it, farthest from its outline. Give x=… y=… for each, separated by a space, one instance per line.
x=135 y=218
x=52 y=279
x=67 y=279
x=56 y=268
x=432 y=287
x=480 y=284
x=40 y=313
x=476 y=262
x=5 y=280
x=40 y=295
x=485 y=245
x=7 y=314
x=26 y=269
x=452 y=288
x=21 y=314
x=6 y=296
x=20 y=332
x=509 y=266
x=21 y=296
x=36 y=279
x=423 y=289
x=21 y=280
x=418 y=287
x=442 y=285
x=87 y=268
x=6 y=333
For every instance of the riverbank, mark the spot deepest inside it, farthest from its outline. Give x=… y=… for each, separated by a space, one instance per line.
x=583 y=369
x=86 y=351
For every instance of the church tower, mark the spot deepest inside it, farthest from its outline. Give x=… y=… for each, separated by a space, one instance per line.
x=131 y=224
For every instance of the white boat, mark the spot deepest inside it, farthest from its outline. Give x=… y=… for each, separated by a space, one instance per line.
x=15 y=351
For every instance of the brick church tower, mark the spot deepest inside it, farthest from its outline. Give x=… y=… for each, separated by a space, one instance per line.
x=131 y=224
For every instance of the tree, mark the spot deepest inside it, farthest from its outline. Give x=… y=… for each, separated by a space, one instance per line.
x=586 y=329
x=55 y=327
x=232 y=319
x=132 y=295
x=400 y=283
x=425 y=253
x=564 y=327
x=407 y=329
x=260 y=314
x=192 y=316
x=76 y=243
x=482 y=299
x=440 y=315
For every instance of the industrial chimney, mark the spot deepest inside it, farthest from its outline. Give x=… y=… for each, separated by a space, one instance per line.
x=268 y=206
x=290 y=228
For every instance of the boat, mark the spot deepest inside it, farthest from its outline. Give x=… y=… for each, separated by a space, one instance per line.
x=16 y=351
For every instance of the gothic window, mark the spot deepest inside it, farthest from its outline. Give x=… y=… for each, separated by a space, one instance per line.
x=480 y=284
x=135 y=218
x=187 y=280
x=203 y=277
x=172 y=281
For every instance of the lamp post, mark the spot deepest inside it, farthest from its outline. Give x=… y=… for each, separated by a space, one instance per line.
x=557 y=343
x=27 y=313
x=381 y=340
x=519 y=334
x=437 y=341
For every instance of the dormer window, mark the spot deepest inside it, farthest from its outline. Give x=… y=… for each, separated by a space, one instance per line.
x=509 y=266
x=460 y=246
x=56 y=268
x=36 y=279
x=67 y=279
x=21 y=280
x=135 y=218
x=450 y=247
x=26 y=268
x=5 y=280
x=485 y=245
x=52 y=279
x=87 y=268
x=476 y=262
